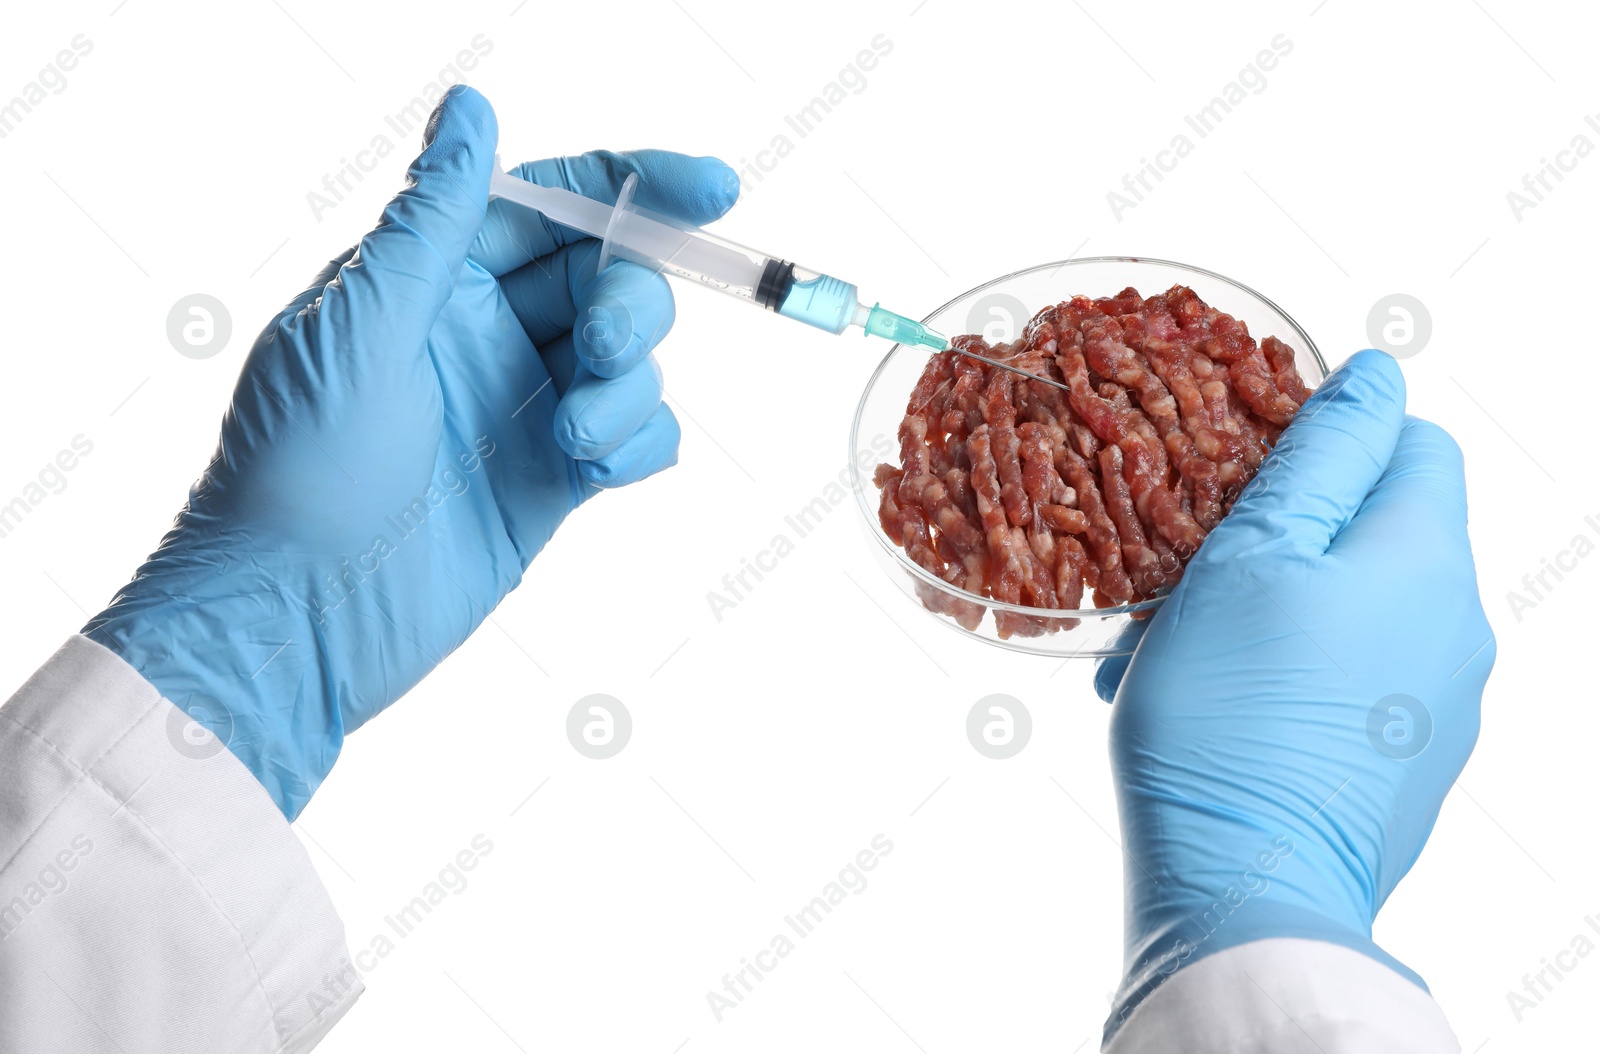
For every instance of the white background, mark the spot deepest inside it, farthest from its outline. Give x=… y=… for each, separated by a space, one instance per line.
x=770 y=747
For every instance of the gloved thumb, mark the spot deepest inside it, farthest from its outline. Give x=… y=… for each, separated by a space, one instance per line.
x=1323 y=466
x=389 y=293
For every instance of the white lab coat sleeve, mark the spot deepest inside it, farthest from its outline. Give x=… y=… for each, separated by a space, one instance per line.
x=1286 y=996
x=152 y=897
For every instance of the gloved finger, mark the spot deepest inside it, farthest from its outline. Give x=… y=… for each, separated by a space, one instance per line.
x=622 y=314
x=649 y=450
x=561 y=362
x=1109 y=670
x=1324 y=464
x=385 y=299
x=1421 y=497
x=309 y=294
x=694 y=189
x=1420 y=506
x=540 y=293
x=617 y=316
x=596 y=415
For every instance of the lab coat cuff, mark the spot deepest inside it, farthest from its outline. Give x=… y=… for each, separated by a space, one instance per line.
x=163 y=901
x=1285 y=994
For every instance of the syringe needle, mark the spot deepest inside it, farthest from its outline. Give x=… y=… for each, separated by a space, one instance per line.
x=898 y=328
x=1011 y=369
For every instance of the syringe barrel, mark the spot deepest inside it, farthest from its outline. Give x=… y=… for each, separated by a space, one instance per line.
x=671 y=247
x=656 y=241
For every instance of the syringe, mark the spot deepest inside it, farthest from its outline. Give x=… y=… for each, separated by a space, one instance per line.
x=672 y=247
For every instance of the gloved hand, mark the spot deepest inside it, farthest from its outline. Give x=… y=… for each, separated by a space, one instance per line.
x=1297 y=710
x=404 y=438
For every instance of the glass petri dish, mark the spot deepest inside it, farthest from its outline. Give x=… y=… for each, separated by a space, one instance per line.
x=999 y=309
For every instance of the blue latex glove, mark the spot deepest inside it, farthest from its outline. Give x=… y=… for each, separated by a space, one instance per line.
x=404 y=438
x=1297 y=710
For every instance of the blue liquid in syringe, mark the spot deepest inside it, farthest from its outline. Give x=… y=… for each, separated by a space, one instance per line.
x=824 y=302
x=829 y=304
